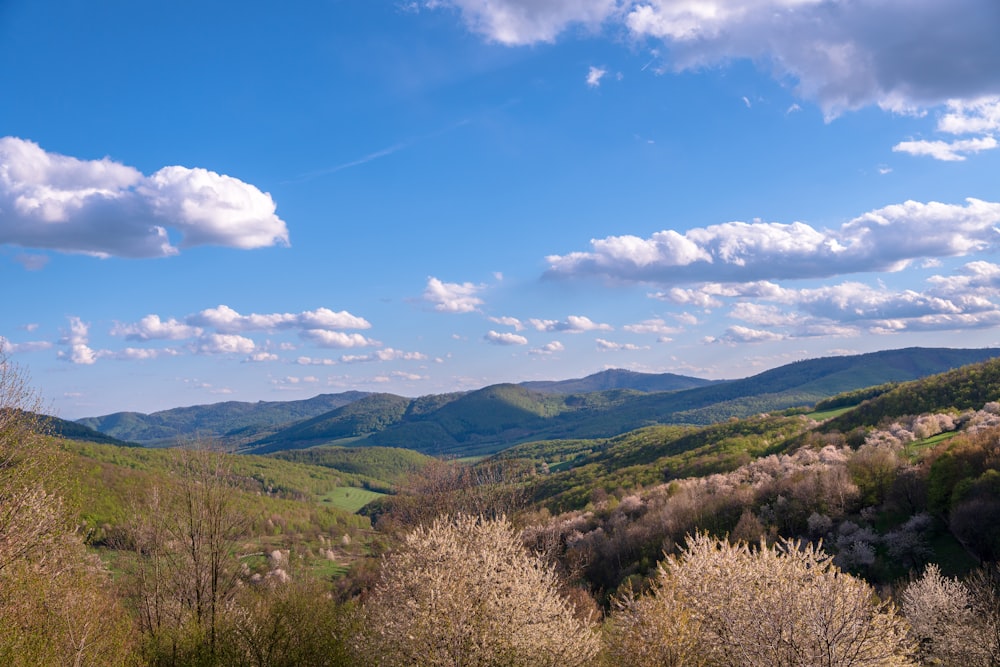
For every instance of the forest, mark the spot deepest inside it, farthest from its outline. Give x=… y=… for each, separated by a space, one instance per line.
x=859 y=529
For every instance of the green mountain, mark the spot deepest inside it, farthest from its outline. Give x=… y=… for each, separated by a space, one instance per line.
x=79 y=432
x=618 y=378
x=233 y=421
x=494 y=418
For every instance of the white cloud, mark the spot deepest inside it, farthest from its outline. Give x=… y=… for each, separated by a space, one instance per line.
x=7 y=347
x=337 y=339
x=740 y=334
x=885 y=239
x=312 y=361
x=654 y=326
x=104 y=208
x=151 y=327
x=572 y=324
x=608 y=345
x=216 y=343
x=954 y=151
x=262 y=356
x=594 y=76
x=978 y=116
x=226 y=320
x=142 y=354
x=386 y=354
x=76 y=338
x=518 y=22
x=547 y=349
x=509 y=322
x=452 y=297
x=505 y=338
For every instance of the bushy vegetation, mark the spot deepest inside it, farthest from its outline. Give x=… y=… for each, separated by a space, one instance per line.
x=760 y=540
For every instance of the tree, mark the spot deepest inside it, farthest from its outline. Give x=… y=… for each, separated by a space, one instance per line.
x=185 y=568
x=465 y=592
x=785 y=605
x=955 y=622
x=56 y=604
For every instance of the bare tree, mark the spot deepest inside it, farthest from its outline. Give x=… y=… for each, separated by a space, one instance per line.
x=185 y=567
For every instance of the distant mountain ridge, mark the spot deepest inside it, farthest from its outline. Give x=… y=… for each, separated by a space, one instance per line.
x=618 y=378
x=499 y=416
x=234 y=420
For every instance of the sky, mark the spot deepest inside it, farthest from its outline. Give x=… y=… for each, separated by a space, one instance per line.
x=210 y=201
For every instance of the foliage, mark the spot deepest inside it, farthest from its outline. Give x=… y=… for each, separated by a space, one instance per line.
x=465 y=592
x=56 y=606
x=239 y=420
x=380 y=467
x=788 y=604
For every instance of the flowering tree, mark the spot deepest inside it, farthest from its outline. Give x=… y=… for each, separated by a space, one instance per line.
x=786 y=605
x=465 y=592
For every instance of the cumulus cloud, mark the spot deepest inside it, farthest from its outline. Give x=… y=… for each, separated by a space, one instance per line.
x=519 y=22
x=572 y=324
x=979 y=117
x=142 y=354
x=452 y=297
x=654 y=326
x=594 y=76
x=386 y=354
x=216 y=343
x=844 y=55
x=8 y=347
x=313 y=361
x=608 y=345
x=947 y=151
x=509 y=322
x=885 y=239
x=547 y=349
x=104 y=208
x=740 y=334
x=504 y=338
x=226 y=320
x=151 y=327
x=76 y=339
x=337 y=339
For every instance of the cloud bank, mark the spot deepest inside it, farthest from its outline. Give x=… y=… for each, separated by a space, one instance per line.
x=886 y=239
x=107 y=209
x=899 y=54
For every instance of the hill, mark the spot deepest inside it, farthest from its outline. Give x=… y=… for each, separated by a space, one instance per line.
x=618 y=379
x=491 y=419
x=233 y=421
x=79 y=432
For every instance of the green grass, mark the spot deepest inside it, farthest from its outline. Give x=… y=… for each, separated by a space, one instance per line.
x=914 y=449
x=828 y=414
x=349 y=498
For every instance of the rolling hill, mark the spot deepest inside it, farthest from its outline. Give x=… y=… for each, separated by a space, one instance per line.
x=235 y=421
x=491 y=419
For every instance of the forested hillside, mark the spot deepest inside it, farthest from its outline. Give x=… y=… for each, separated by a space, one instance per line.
x=609 y=550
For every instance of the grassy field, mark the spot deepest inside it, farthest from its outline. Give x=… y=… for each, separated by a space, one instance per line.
x=349 y=498
x=828 y=414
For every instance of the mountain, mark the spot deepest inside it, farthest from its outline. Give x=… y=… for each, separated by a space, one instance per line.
x=496 y=417
x=232 y=421
x=618 y=378
x=74 y=431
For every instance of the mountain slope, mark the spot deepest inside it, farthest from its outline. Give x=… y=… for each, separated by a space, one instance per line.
x=618 y=379
x=497 y=417
x=237 y=420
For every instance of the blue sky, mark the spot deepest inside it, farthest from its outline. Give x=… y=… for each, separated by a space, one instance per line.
x=207 y=201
